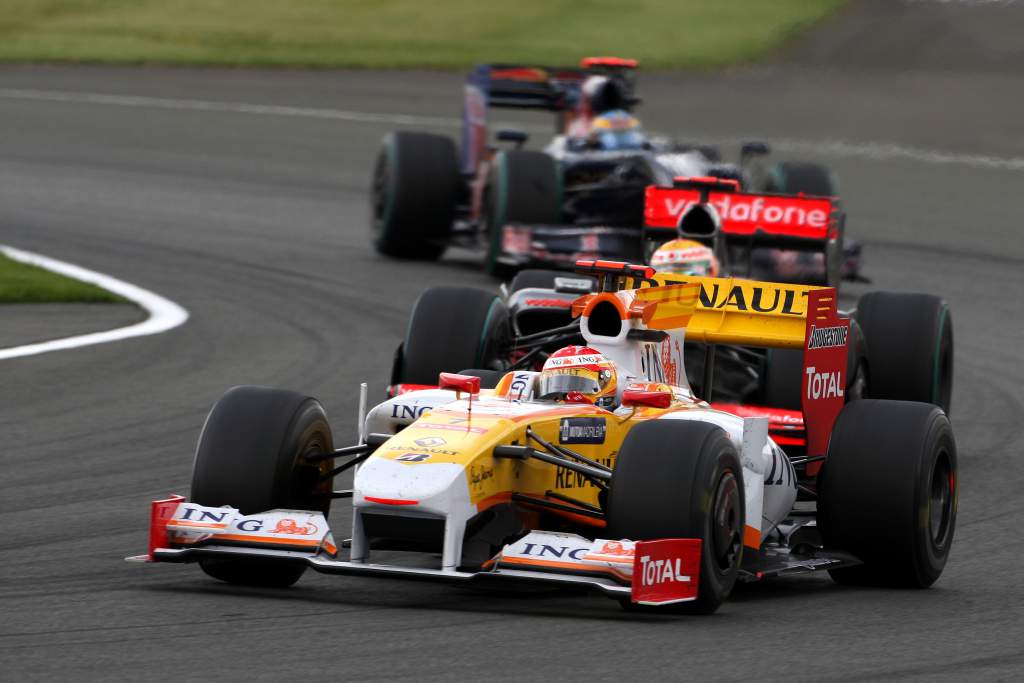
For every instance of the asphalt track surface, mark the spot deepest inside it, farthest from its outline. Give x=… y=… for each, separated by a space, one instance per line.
x=254 y=219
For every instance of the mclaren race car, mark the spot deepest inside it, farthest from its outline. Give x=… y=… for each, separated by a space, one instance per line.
x=602 y=470
x=583 y=195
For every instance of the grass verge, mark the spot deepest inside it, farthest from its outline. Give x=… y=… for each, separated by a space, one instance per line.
x=24 y=284
x=443 y=34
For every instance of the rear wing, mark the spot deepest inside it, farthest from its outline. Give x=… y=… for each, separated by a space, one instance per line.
x=520 y=86
x=801 y=222
x=743 y=313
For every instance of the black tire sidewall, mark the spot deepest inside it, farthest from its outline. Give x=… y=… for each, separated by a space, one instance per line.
x=663 y=485
x=874 y=491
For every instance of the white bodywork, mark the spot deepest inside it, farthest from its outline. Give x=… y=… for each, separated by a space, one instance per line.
x=769 y=479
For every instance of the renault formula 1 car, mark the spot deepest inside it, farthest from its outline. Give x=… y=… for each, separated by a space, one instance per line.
x=658 y=500
x=900 y=346
x=580 y=197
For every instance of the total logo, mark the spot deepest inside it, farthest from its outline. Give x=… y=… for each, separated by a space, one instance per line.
x=657 y=572
x=823 y=384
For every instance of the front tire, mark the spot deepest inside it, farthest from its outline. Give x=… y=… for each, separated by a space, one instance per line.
x=251 y=456
x=415 y=191
x=452 y=328
x=888 y=492
x=683 y=479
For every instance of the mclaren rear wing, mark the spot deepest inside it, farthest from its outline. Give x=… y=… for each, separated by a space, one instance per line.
x=800 y=222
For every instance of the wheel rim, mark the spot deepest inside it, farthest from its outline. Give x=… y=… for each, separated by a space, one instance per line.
x=726 y=524
x=940 y=501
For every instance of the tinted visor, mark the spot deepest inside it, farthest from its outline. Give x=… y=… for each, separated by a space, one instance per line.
x=581 y=381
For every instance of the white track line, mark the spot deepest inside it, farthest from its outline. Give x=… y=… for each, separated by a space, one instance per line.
x=882 y=151
x=163 y=314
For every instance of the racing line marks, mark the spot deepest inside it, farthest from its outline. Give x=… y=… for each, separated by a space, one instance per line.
x=835 y=148
x=163 y=313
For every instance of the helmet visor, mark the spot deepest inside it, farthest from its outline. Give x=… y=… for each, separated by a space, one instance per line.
x=567 y=381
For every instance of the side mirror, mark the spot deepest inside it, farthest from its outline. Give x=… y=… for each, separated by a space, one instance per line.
x=455 y=382
x=514 y=135
x=645 y=398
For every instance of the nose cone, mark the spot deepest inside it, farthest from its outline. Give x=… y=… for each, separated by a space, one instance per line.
x=423 y=486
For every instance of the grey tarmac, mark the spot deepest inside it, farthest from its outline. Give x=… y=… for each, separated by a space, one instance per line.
x=256 y=223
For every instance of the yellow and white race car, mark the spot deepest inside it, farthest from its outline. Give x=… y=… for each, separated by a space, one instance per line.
x=601 y=470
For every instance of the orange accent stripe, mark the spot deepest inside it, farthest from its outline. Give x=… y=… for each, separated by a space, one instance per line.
x=751 y=537
x=264 y=540
x=199 y=525
x=565 y=565
x=390 y=501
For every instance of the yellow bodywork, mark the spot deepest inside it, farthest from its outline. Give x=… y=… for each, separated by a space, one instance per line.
x=469 y=438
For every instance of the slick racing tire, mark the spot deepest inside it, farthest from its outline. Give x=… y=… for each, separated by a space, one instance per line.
x=782 y=375
x=252 y=456
x=451 y=328
x=415 y=191
x=682 y=479
x=793 y=177
x=524 y=187
x=887 y=492
x=909 y=346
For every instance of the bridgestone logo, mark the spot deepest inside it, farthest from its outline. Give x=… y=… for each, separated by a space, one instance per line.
x=827 y=337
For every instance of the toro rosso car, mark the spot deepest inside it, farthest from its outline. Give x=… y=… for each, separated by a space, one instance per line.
x=603 y=470
x=582 y=197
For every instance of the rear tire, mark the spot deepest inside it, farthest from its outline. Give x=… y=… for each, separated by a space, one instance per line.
x=415 y=191
x=524 y=187
x=888 y=492
x=251 y=456
x=683 y=479
x=781 y=379
x=452 y=328
x=909 y=339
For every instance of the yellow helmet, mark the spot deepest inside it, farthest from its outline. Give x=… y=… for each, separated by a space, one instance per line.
x=578 y=374
x=685 y=257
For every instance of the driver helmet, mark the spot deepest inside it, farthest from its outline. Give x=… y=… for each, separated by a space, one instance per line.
x=578 y=374
x=616 y=129
x=685 y=257
x=601 y=94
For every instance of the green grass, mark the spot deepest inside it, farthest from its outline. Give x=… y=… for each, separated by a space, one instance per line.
x=443 y=34
x=24 y=284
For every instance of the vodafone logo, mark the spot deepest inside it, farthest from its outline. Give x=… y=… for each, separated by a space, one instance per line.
x=755 y=210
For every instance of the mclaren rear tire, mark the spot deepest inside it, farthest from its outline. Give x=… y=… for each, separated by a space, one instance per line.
x=683 y=479
x=252 y=456
x=909 y=340
x=416 y=185
x=888 y=491
x=452 y=328
x=524 y=187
